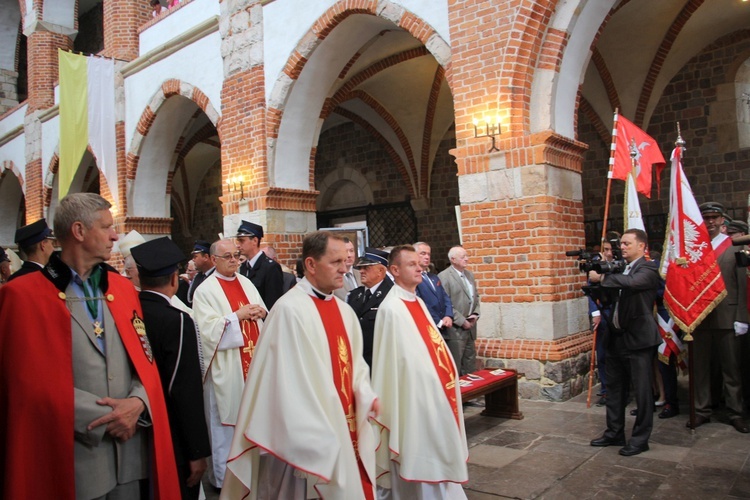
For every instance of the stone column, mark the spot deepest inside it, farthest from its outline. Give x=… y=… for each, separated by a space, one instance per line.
x=521 y=206
x=285 y=214
x=8 y=89
x=43 y=41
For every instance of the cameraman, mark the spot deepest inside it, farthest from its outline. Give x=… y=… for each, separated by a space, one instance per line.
x=632 y=343
x=599 y=321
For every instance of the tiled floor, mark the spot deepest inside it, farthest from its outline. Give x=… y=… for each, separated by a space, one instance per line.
x=547 y=455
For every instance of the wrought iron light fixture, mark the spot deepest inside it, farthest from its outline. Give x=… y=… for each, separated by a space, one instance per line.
x=488 y=127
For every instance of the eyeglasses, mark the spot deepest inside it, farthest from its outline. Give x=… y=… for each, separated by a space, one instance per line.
x=229 y=256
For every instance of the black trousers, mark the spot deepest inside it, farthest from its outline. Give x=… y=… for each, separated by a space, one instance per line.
x=624 y=366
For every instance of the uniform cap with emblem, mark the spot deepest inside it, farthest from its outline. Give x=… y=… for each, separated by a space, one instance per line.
x=372 y=257
x=130 y=240
x=737 y=226
x=201 y=246
x=711 y=207
x=32 y=233
x=249 y=229
x=157 y=257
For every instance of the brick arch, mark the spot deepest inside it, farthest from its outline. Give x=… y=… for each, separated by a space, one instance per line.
x=48 y=182
x=661 y=55
x=561 y=56
x=522 y=54
x=284 y=86
x=169 y=88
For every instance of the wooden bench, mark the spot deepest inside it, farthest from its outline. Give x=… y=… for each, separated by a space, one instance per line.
x=500 y=392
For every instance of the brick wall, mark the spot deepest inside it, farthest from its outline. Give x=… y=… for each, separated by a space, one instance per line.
x=351 y=146
x=207 y=216
x=90 y=37
x=715 y=168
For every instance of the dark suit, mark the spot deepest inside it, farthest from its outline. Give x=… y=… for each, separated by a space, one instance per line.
x=435 y=298
x=26 y=268
x=182 y=291
x=267 y=277
x=366 y=311
x=716 y=333
x=199 y=278
x=174 y=343
x=631 y=348
x=289 y=281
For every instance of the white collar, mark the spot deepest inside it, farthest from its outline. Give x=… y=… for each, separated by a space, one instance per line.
x=310 y=290
x=226 y=278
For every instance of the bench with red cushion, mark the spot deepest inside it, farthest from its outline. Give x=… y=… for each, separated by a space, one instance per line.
x=500 y=392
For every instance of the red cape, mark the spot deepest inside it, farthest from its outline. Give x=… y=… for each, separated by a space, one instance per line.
x=36 y=390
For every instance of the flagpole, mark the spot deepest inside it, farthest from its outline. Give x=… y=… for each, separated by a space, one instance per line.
x=609 y=177
x=688 y=339
x=601 y=242
x=591 y=368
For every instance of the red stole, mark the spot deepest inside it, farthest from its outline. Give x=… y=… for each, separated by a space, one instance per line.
x=341 y=359
x=236 y=296
x=723 y=246
x=439 y=354
x=41 y=416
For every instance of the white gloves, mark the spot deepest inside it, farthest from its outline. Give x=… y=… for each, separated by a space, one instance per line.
x=739 y=328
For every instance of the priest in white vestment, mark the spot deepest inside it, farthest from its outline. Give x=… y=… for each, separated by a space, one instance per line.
x=422 y=449
x=303 y=429
x=229 y=313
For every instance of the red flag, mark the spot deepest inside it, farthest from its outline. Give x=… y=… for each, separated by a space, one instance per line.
x=694 y=285
x=648 y=155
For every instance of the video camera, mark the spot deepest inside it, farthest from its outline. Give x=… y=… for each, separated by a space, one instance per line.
x=593 y=261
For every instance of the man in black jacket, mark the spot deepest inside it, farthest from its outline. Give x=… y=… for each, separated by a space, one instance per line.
x=265 y=274
x=35 y=242
x=632 y=344
x=366 y=299
x=174 y=343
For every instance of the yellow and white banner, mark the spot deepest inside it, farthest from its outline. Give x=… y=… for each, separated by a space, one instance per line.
x=87 y=117
x=632 y=208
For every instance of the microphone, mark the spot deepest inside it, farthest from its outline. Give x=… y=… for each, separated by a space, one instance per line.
x=741 y=240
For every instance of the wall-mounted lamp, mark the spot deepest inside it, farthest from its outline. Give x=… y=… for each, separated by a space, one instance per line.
x=235 y=184
x=487 y=127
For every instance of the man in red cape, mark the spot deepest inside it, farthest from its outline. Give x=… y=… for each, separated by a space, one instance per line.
x=82 y=414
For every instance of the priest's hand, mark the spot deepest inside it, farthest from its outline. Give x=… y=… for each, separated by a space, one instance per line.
x=252 y=312
x=121 y=421
x=197 y=468
x=375 y=408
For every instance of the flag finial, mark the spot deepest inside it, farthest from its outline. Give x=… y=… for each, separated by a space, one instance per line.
x=680 y=142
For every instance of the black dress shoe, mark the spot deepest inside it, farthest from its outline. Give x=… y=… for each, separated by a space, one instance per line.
x=602 y=401
x=605 y=441
x=740 y=425
x=699 y=420
x=669 y=411
x=630 y=450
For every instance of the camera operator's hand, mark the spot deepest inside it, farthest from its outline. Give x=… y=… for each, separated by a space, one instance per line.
x=594 y=277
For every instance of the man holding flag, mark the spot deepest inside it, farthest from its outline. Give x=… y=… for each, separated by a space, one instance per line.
x=720 y=330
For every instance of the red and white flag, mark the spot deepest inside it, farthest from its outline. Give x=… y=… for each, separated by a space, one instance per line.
x=694 y=285
x=648 y=155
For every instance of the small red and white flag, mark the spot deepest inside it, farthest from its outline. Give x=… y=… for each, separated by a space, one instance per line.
x=670 y=340
x=648 y=155
x=694 y=285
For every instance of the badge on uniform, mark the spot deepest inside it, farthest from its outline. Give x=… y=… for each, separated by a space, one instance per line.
x=140 y=329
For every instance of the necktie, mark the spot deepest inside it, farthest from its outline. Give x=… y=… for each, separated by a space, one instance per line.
x=350 y=281
x=89 y=293
x=616 y=314
x=426 y=277
x=368 y=295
